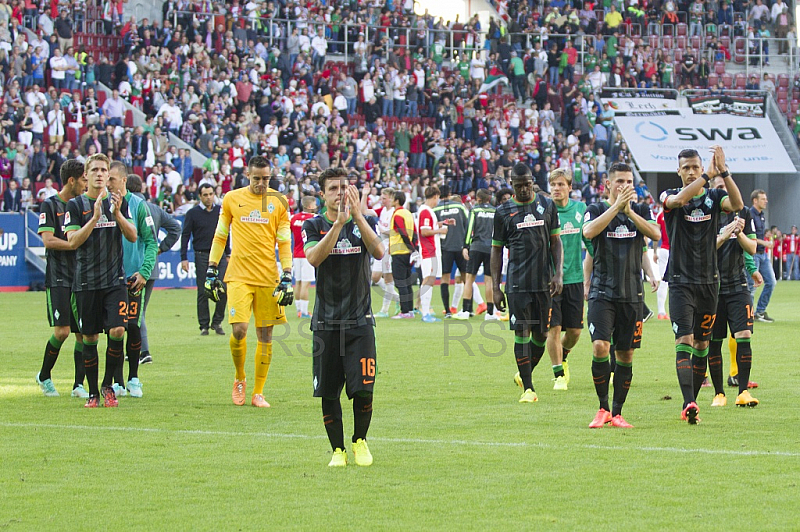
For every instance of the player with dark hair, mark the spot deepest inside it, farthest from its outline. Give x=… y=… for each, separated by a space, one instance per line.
x=736 y=245
x=402 y=244
x=616 y=229
x=139 y=259
x=303 y=271
x=95 y=223
x=568 y=305
x=478 y=250
x=528 y=226
x=692 y=216
x=339 y=244
x=454 y=215
x=58 y=279
x=257 y=219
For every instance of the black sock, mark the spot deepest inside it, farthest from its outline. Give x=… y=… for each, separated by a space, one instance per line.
x=558 y=371
x=332 y=417
x=622 y=383
x=699 y=367
x=466 y=305
x=683 y=365
x=90 y=366
x=362 y=415
x=612 y=355
x=445 y=289
x=133 y=347
x=114 y=358
x=564 y=354
x=537 y=350
x=601 y=371
x=490 y=309
x=80 y=370
x=51 y=351
x=744 y=358
x=522 y=354
x=715 y=365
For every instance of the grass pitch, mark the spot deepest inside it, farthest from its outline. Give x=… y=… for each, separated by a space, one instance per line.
x=453 y=448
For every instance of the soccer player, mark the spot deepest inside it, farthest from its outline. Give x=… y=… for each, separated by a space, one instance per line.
x=661 y=257
x=303 y=271
x=478 y=251
x=528 y=226
x=402 y=244
x=568 y=305
x=382 y=269
x=339 y=245
x=736 y=243
x=430 y=249
x=617 y=229
x=692 y=217
x=139 y=259
x=200 y=225
x=172 y=228
x=762 y=261
x=96 y=223
x=257 y=219
x=454 y=215
x=58 y=279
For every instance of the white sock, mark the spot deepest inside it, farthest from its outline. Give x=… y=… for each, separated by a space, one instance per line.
x=476 y=294
x=301 y=306
x=388 y=296
x=457 y=293
x=425 y=297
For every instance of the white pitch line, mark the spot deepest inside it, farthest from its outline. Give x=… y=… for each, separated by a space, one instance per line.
x=531 y=445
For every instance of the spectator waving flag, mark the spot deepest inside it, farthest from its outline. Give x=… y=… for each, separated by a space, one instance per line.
x=495 y=78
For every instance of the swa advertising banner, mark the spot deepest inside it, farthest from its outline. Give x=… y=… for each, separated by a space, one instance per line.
x=751 y=144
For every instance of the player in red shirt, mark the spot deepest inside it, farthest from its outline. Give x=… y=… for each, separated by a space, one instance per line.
x=304 y=273
x=429 y=231
x=661 y=258
x=791 y=255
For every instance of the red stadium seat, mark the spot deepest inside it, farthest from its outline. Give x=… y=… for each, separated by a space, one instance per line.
x=682 y=29
x=101 y=98
x=739 y=52
x=696 y=42
x=138 y=171
x=678 y=56
x=128 y=118
x=727 y=80
x=782 y=93
x=653 y=41
x=680 y=42
x=795 y=107
x=783 y=105
x=741 y=80
x=783 y=80
x=719 y=68
x=668 y=41
x=725 y=41
x=712 y=80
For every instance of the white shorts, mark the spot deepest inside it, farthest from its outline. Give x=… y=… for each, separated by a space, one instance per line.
x=385 y=264
x=431 y=266
x=303 y=270
x=663 y=259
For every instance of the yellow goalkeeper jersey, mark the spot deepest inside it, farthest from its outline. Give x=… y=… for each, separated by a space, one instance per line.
x=257 y=224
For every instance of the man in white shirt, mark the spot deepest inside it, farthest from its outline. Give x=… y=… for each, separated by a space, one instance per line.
x=320 y=47
x=172 y=114
x=172 y=176
x=58 y=70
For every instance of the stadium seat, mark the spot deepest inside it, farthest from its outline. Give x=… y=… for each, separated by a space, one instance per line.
x=719 y=68
x=741 y=80
x=783 y=105
x=668 y=41
x=782 y=93
x=783 y=80
x=727 y=80
x=739 y=51
x=128 y=118
x=653 y=40
x=138 y=171
x=713 y=79
x=681 y=29
x=101 y=98
x=678 y=56
x=795 y=106
x=725 y=41
x=197 y=174
x=681 y=42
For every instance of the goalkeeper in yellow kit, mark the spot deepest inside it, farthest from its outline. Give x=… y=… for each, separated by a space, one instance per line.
x=257 y=220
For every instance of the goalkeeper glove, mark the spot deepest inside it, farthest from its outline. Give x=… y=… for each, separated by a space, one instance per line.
x=213 y=286
x=284 y=290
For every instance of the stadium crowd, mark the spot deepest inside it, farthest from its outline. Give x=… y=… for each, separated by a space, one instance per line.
x=416 y=104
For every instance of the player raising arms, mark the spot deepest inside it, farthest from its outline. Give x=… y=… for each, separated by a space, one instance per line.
x=303 y=271
x=339 y=245
x=616 y=229
x=692 y=217
x=95 y=224
x=257 y=219
x=736 y=244
x=528 y=226
x=58 y=279
x=568 y=305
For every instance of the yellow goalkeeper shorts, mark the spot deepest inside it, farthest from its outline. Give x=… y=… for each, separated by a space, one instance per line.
x=244 y=299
